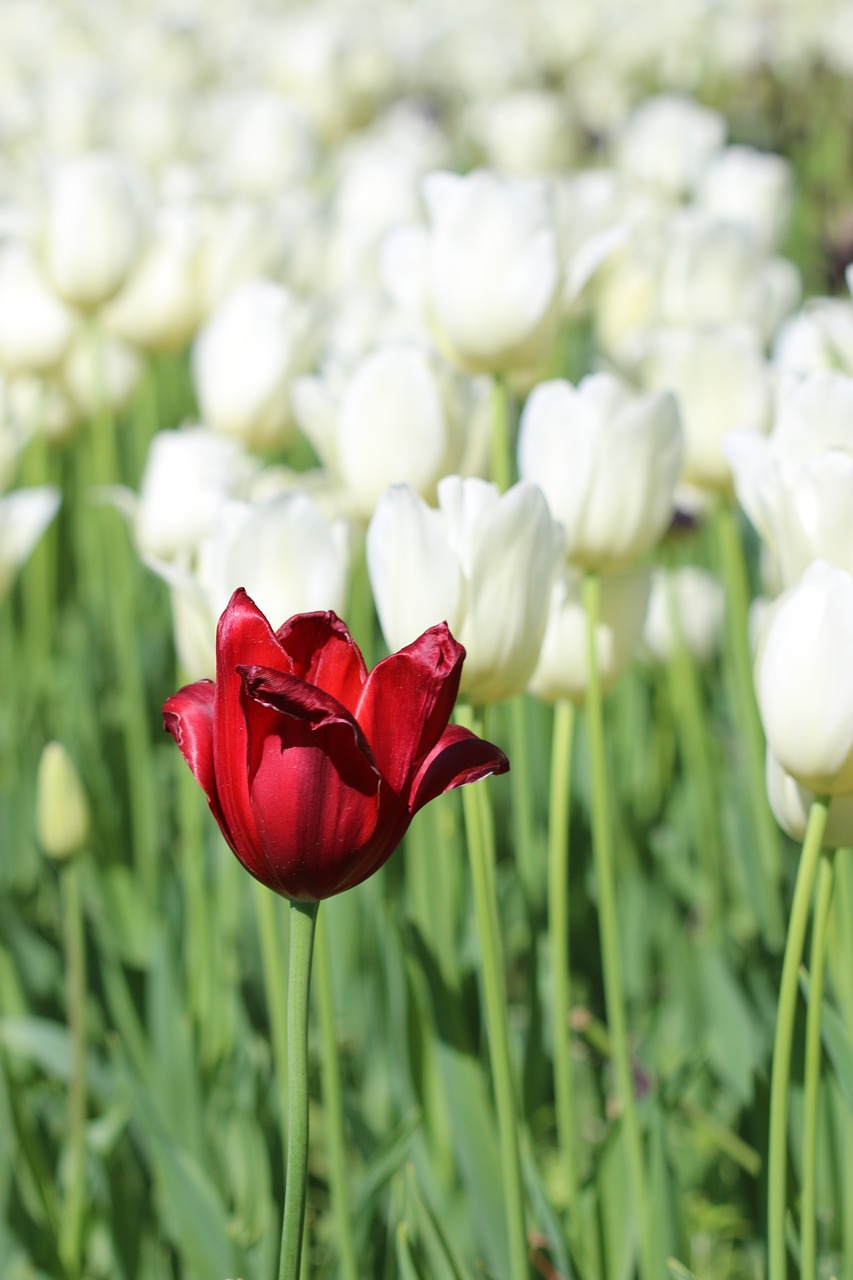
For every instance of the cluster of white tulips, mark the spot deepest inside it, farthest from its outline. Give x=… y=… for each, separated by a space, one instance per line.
x=476 y=314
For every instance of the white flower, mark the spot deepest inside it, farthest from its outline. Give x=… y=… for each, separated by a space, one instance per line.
x=488 y=271
x=804 y=680
x=400 y=418
x=484 y=562
x=722 y=382
x=563 y=669
x=687 y=604
x=188 y=474
x=245 y=359
x=24 y=516
x=668 y=141
x=35 y=325
x=160 y=305
x=285 y=553
x=749 y=187
x=99 y=370
x=95 y=228
x=607 y=461
x=791 y=803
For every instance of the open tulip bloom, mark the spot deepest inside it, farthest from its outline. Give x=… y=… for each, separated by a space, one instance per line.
x=314 y=769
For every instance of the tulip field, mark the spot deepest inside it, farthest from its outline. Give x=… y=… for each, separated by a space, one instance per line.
x=426 y=640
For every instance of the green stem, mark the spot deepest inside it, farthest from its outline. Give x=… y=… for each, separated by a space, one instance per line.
x=558 y=933
x=267 y=908
x=748 y=724
x=480 y=833
x=501 y=443
x=691 y=728
x=71 y=1225
x=333 y=1098
x=777 y=1163
x=521 y=791
x=303 y=918
x=843 y=982
x=609 y=926
x=817 y=971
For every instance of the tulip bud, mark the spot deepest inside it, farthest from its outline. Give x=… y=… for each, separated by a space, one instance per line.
x=562 y=670
x=62 y=811
x=484 y=561
x=607 y=462
x=94 y=229
x=245 y=359
x=35 y=326
x=24 y=516
x=803 y=680
x=668 y=141
x=688 y=601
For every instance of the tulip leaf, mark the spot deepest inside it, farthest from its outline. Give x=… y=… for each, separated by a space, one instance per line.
x=444 y=1264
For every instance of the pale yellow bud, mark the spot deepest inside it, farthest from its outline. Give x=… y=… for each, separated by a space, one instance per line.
x=62 y=810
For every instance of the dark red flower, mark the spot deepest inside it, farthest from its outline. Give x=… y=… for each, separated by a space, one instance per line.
x=313 y=768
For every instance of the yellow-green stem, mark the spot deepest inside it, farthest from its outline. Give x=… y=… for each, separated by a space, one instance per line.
x=334 y=1109
x=480 y=834
x=609 y=928
x=817 y=971
x=558 y=933
x=777 y=1159
x=303 y=918
x=71 y=1224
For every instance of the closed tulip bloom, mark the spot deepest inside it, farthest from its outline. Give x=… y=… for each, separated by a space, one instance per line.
x=160 y=307
x=283 y=549
x=722 y=382
x=63 y=821
x=95 y=228
x=608 y=463
x=686 y=605
x=489 y=270
x=35 y=325
x=24 y=516
x=668 y=141
x=485 y=561
x=109 y=376
x=749 y=187
x=188 y=475
x=400 y=418
x=563 y=669
x=312 y=767
x=803 y=680
x=791 y=803
x=245 y=359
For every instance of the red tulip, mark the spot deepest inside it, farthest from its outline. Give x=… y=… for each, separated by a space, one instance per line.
x=312 y=767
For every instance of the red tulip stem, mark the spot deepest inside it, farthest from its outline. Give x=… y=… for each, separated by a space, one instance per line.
x=303 y=919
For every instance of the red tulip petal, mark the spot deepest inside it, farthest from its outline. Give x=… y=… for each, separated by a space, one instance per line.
x=315 y=800
x=243 y=637
x=407 y=703
x=188 y=716
x=323 y=653
x=289 y=696
x=458 y=757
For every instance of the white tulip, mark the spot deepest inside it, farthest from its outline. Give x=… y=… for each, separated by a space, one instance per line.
x=35 y=325
x=751 y=188
x=563 y=668
x=245 y=359
x=266 y=143
x=188 y=474
x=668 y=142
x=803 y=680
x=490 y=267
x=791 y=803
x=95 y=228
x=722 y=382
x=686 y=605
x=400 y=418
x=99 y=370
x=608 y=463
x=285 y=553
x=483 y=562
x=24 y=516
x=160 y=306
x=526 y=133
x=817 y=339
